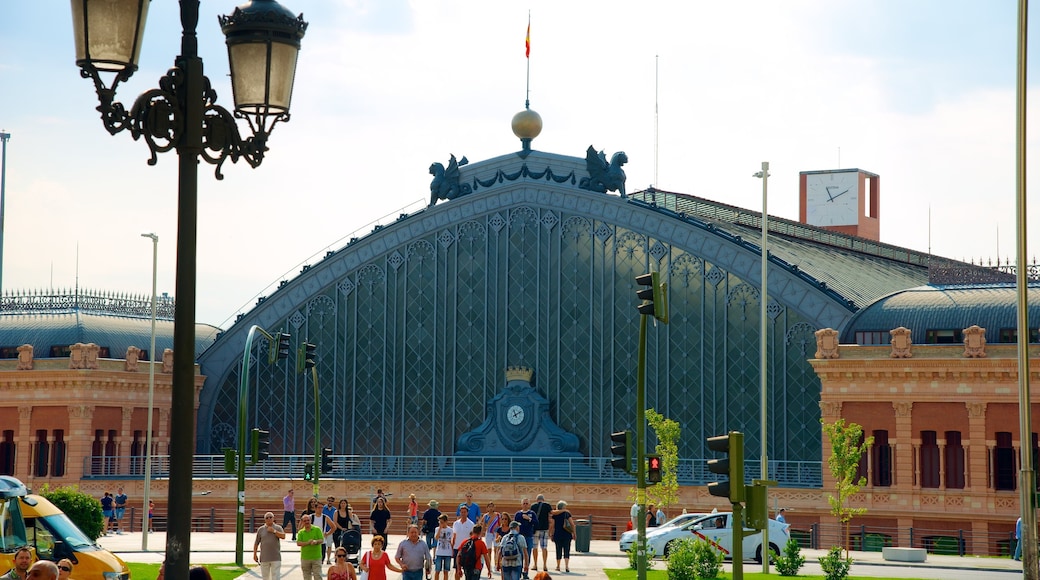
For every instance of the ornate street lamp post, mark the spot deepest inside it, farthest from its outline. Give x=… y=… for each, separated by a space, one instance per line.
x=263 y=40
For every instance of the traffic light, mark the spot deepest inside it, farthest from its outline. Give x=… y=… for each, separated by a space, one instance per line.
x=326 y=460
x=279 y=347
x=755 y=513
x=309 y=351
x=621 y=449
x=308 y=471
x=733 y=466
x=653 y=472
x=230 y=465
x=655 y=298
x=261 y=444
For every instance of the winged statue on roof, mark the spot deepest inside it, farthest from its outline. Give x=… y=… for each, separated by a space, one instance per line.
x=604 y=176
x=446 y=182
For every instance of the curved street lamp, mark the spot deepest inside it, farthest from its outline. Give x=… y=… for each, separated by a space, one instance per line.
x=263 y=40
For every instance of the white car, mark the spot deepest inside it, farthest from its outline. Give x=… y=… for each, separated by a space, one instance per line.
x=628 y=538
x=717 y=530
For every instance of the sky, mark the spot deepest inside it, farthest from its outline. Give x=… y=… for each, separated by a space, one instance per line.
x=920 y=92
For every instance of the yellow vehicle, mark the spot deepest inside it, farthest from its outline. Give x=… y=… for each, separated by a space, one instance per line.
x=12 y=526
x=51 y=535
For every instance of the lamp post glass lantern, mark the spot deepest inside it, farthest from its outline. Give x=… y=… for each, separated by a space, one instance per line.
x=182 y=115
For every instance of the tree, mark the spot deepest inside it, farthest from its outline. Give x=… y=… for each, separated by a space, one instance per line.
x=83 y=509
x=847 y=447
x=666 y=492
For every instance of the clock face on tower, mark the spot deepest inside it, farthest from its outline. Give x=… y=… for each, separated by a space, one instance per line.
x=515 y=414
x=832 y=199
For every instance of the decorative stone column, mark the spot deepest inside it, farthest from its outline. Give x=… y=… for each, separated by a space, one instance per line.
x=991 y=449
x=162 y=440
x=903 y=444
x=23 y=439
x=941 y=443
x=79 y=440
x=123 y=442
x=978 y=480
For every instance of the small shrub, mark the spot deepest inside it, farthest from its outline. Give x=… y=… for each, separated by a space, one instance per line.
x=834 y=566
x=693 y=560
x=792 y=560
x=633 y=563
x=83 y=509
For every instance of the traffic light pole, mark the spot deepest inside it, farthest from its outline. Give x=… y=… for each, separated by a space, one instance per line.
x=317 y=431
x=641 y=452
x=737 y=525
x=240 y=456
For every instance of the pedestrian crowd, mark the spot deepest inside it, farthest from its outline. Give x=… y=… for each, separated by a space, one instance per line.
x=471 y=543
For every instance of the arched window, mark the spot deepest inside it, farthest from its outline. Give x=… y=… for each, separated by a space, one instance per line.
x=42 y=455
x=954 y=460
x=882 y=459
x=929 y=460
x=58 y=453
x=1004 y=463
x=7 y=449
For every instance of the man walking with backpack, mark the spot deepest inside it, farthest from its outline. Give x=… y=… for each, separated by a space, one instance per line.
x=472 y=553
x=513 y=553
x=527 y=520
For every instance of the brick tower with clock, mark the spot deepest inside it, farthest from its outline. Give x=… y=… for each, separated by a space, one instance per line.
x=841 y=200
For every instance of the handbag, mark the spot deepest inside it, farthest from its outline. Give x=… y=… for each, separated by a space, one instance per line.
x=364 y=573
x=568 y=526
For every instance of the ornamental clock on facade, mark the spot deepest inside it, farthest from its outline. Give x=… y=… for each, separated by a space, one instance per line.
x=515 y=414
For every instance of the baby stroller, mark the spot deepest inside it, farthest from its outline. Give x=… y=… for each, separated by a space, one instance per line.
x=350 y=541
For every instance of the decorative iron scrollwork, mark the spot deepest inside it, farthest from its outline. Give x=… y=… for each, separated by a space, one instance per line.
x=158 y=117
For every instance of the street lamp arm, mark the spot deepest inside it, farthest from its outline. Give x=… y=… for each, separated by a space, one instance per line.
x=158 y=117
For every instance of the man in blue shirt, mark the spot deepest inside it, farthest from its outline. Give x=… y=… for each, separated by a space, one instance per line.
x=472 y=506
x=1018 y=540
x=528 y=520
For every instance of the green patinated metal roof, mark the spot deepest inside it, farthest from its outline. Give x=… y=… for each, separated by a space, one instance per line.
x=991 y=306
x=859 y=270
x=115 y=322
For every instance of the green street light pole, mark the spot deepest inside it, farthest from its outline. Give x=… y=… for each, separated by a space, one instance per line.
x=240 y=459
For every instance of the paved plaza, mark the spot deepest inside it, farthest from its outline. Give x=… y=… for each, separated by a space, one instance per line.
x=215 y=548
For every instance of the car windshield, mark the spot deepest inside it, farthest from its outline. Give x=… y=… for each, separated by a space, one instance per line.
x=63 y=528
x=678 y=520
x=12 y=527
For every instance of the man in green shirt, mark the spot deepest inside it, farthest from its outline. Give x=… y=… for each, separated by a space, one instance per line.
x=310 y=539
x=22 y=560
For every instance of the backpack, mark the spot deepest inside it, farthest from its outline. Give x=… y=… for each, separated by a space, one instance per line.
x=468 y=554
x=510 y=548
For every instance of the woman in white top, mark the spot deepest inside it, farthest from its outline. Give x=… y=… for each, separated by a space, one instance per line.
x=489 y=520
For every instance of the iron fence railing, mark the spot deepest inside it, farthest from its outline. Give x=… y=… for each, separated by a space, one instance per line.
x=799 y=474
x=947 y=541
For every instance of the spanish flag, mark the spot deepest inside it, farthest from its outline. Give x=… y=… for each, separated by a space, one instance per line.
x=527 y=41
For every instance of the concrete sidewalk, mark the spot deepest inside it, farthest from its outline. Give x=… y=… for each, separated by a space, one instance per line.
x=214 y=548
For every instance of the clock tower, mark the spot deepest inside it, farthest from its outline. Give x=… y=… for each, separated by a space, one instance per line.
x=841 y=200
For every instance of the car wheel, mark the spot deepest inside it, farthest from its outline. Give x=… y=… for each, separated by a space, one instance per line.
x=774 y=553
x=668 y=548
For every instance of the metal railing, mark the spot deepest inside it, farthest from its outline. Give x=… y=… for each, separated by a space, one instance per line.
x=799 y=474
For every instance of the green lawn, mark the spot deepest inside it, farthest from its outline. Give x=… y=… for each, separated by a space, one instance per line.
x=218 y=571
x=628 y=574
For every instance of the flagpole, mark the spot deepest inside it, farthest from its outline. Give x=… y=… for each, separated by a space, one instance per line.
x=527 y=48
